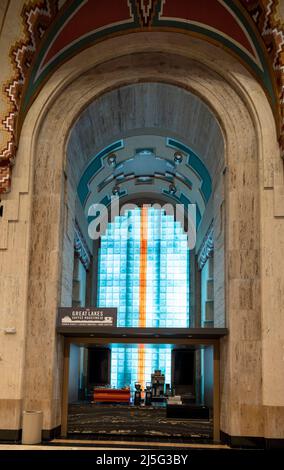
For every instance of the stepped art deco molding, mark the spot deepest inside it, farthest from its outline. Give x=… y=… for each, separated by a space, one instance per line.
x=250 y=29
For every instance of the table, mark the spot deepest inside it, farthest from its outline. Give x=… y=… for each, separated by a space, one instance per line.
x=112 y=395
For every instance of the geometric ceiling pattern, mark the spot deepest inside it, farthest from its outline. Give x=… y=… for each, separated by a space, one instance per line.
x=146 y=166
x=249 y=29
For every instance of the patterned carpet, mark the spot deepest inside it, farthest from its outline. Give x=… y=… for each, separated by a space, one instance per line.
x=124 y=420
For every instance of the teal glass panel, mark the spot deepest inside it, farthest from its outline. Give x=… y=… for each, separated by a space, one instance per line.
x=167 y=294
x=167 y=286
x=119 y=268
x=124 y=363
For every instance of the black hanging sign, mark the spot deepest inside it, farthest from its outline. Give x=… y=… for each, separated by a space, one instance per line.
x=70 y=317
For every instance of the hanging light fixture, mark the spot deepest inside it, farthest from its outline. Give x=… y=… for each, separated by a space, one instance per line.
x=111 y=159
x=172 y=189
x=115 y=190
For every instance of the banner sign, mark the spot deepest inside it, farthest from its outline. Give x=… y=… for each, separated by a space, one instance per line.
x=86 y=317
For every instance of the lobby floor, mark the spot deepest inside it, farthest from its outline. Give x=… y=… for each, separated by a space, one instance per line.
x=111 y=420
x=67 y=444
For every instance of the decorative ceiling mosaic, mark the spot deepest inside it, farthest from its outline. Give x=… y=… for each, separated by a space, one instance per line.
x=250 y=29
x=175 y=171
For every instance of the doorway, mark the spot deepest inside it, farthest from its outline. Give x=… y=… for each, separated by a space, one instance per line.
x=184 y=394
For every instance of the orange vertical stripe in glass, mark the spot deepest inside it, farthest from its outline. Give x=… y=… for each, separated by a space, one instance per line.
x=142 y=291
x=143 y=266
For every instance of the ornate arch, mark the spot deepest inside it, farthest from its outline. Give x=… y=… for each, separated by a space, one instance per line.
x=48 y=160
x=249 y=29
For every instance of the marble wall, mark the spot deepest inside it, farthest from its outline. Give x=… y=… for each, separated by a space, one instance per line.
x=35 y=226
x=141 y=108
x=156 y=109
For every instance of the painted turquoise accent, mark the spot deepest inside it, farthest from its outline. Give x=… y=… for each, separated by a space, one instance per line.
x=54 y=29
x=141 y=150
x=34 y=84
x=264 y=74
x=197 y=166
x=178 y=145
x=93 y=168
x=105 y=201
x=71 y=50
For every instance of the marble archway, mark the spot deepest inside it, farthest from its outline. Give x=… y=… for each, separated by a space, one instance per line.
x=251 y=151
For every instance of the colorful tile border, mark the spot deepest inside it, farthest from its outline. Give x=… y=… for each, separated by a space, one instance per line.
x=250 y=29
x=36 y=19
x=265 y=15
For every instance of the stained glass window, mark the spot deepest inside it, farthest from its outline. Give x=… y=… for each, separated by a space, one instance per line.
x=144 y=272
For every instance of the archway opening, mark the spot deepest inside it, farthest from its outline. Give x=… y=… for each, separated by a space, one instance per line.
x=152 y=151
